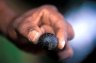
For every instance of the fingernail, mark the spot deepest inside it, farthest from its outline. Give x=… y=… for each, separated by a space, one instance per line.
x=62 y=44
x=36 y=34
x=33 y=36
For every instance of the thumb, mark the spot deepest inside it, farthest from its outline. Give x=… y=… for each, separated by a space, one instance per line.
x=34 y=34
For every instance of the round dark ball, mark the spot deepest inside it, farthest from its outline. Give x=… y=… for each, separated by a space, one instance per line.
x=48 y=41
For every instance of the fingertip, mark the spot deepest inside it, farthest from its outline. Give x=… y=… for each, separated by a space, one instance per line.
x=33 y=36
x=61 y=44
x=62 y=38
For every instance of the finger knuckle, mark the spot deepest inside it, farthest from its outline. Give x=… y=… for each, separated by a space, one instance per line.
x=48 y=7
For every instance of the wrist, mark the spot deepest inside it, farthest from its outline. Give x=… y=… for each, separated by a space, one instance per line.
x=10 y=30
x=7 y=16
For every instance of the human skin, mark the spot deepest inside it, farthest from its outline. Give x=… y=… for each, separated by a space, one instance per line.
x=25 y=29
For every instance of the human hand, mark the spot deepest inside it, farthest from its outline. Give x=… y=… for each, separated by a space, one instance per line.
x=45 y=19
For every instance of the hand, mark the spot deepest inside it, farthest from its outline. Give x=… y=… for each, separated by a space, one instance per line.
x=44 y=19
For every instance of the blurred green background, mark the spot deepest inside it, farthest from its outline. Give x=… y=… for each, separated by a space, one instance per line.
x=10 y=54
